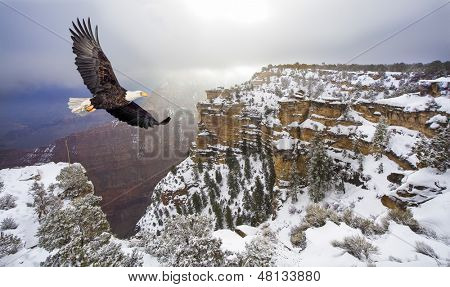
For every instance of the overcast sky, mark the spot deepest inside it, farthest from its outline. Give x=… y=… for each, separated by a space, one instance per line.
x=210 y=43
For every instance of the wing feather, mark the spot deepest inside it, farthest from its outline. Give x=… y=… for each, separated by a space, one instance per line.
x=134 y=115
x=92 y=64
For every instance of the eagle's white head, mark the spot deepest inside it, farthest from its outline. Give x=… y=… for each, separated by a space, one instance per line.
x=134 y=95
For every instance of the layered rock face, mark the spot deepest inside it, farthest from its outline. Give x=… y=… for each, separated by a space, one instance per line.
x=284 y=107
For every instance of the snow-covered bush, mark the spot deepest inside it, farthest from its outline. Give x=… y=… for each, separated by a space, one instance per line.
x=73 y=181
x=292 y=210
x=298 y=237
x=2 y=185
x=258 y=253
x=405 y=217
x=9 y=244
x=316 y=215
x=425 y=249
x=186 y=241
x=367 y=226
x=7 y=201
x=357 y=246
x=8 y=223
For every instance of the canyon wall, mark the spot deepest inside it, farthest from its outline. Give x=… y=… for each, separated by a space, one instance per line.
x=227 y=124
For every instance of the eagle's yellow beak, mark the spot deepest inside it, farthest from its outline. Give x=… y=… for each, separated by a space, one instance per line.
x=144 y=94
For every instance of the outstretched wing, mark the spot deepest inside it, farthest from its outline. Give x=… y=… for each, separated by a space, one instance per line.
x=93 y=65
x=134 y=115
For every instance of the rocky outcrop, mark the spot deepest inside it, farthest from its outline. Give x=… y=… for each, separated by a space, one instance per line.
x=226 y=124
x=411 y=195
x=398 y=117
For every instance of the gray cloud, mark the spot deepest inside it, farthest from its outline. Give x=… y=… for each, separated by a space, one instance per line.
x=208 y=43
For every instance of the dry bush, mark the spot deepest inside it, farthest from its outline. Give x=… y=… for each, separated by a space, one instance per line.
x=8 y=223
x=316 y=215
x=405 y=217
x=367 y=226
x=357 y=246
x=298 y=237
x=7 y=201
x=292 y=210
x=425 y=249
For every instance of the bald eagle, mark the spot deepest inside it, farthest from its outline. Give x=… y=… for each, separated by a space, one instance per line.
x=99 y=77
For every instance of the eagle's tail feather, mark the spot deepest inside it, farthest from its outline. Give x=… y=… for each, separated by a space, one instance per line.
x=79 y=106
x=165 y=121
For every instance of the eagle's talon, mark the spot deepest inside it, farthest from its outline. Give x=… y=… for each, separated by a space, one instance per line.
x=90 y=108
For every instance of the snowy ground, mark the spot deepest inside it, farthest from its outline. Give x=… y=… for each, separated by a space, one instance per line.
x=18 y=182
x=395 y=248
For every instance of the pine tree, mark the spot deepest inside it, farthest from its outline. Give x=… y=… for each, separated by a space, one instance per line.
x=247 y=168
x=173 y=169
x=73 y=181
x=360 y=159
x=209 y=164
x=267 y=205
x=245 y=147
x=204 y=199
x=197 y=202
x=233 y=185
x=2 y=185
x=212 y=196
x=295 y=183
x=232 y=162
x=81 y=220
x=218 y=176
x=240 y=220
x=190 y=208
x=78 y=235
x=380 y=141
x=196 y=173
x=258 y=253
x=210 y=184
x=187 y=241
x=435 y=152
x=100 y=252
x=44 y=201
x=320 y=169
x=247 y=200
x=380 y=168
x=229 y=218
x=259 y=145
x=258 y=203
x=269 y=171
x=200 y=166
x=217 y=209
